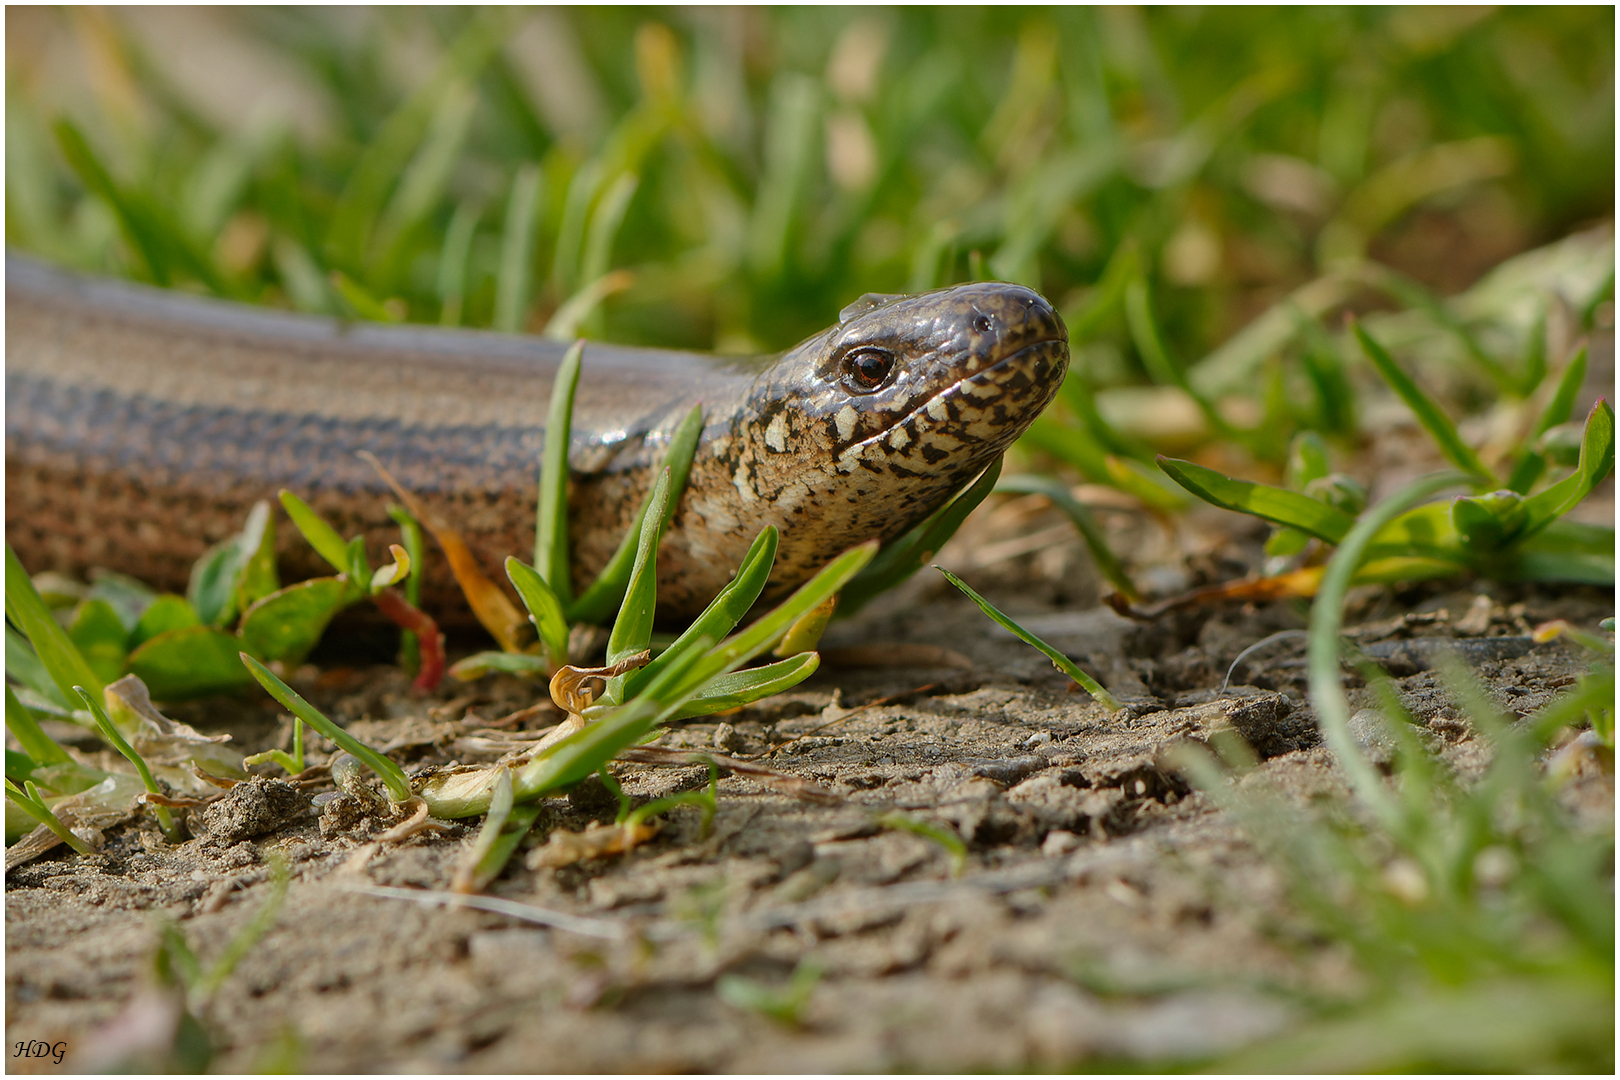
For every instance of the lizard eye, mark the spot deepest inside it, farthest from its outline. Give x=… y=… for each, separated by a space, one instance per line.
x=865 y=370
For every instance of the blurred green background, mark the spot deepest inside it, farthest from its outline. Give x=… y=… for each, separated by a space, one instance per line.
x=756 y=169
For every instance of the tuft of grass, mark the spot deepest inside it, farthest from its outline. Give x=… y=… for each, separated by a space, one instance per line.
x=1480 y=911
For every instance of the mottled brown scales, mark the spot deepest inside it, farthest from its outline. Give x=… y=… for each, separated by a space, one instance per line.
x=141 y=425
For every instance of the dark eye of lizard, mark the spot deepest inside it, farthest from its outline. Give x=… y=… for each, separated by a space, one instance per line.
x=866 y=369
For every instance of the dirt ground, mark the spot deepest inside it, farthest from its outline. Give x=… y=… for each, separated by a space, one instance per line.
x=1105 y=913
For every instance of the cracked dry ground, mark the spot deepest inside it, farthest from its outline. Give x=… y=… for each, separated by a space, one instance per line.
x=1105 y=911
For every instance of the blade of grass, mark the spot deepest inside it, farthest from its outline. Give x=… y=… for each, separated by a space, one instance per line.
x=512 y=289
x=606 y=593
x=116 y=740
x=33 y=804
x=1597 y=459
x=545 y=610
x=1322 y=653
x=453 y=259
x=551 y=513
x=632 y=630
x=1279 y=505
x=741 y=687
x=1429 y=414
x=29 y=614
x=1059 y=661
x=766 y=630
x=723 y=613
x=399 y=788
x=1528 y=466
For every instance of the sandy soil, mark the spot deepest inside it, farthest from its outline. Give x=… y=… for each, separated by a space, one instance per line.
x=1105 y=912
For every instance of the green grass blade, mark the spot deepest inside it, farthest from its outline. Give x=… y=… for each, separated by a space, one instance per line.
x=1597 y=459
x=632 y=630
x=1528 y=466
x=116 y=740
x=723 y=612
x=605 y=594
x=30 y=803
x=399 y=788
x=769 y=628
x=1108 y=563
x=741 y=687
x=513 y=291
x=604 y=228
x=545 y=610
x=26 y=730
x=66 y=667
x=1059 y=661
x=1327 y=615
x=1279 y=505
x=551 y=512
x=1429 y=414
x=911 y=551
x=93 y=174
x=453 y=260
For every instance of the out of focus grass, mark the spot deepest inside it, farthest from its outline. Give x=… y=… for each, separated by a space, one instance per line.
x=757 y=169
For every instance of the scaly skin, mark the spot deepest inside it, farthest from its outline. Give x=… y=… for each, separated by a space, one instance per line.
x=141 y=425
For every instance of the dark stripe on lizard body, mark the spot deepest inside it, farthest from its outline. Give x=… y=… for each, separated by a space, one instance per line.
x=141 y=424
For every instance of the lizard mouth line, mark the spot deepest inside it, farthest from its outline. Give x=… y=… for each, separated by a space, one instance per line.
x=980 y=378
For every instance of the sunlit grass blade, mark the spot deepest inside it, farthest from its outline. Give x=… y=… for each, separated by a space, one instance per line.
x=766 y=630
x=604 y=228
x=115 y=739
x=30 y=802
x=1108 y=563
x=1597 y=460
x=911 y=551
x=741 y=687
x=1429 y=414
x=393 y=778
x=66 y=667
x=512 y=288
x=1327 y=615
x=604 y=594
x=505 y=826
x=1279 y=505
x=551 y=512
x=723 y=613
x=1059 y=661
x=632 y=630
x=545 y=610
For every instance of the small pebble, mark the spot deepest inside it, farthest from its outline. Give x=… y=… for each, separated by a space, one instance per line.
x=1059 y=842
